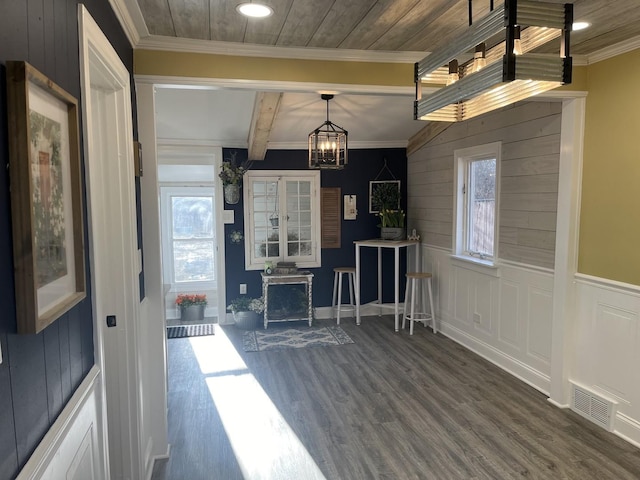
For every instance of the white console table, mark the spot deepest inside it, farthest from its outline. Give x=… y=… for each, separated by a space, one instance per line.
x=302 y=277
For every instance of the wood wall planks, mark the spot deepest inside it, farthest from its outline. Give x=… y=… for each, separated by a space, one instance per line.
x=530 y=136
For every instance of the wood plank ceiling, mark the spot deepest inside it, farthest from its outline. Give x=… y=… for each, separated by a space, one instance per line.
x=388 y=25
x=374 y=25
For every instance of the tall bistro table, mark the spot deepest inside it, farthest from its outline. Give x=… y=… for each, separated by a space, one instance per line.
x=396 y=245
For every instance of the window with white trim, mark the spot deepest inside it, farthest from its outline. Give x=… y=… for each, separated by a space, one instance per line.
x=189 y=236
x=281 y=217
x=477 y=184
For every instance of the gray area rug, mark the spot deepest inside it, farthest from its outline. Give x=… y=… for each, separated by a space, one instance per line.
x=182 y=331
x=297 y=337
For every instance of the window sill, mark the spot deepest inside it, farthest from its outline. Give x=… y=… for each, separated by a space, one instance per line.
x=485 y=267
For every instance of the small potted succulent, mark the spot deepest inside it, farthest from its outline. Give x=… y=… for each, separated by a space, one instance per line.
x=246 y=311
x=191 y=306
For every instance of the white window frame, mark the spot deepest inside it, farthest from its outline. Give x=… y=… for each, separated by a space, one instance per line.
x=166 y=193
x=463 y=159
x=257 y=263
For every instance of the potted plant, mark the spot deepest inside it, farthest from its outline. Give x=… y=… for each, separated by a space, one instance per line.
x=246 y=311
x=392 y=224
x=191 y=306
x=231 y=175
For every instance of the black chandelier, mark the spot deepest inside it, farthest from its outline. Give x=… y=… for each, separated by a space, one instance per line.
x=328 y=144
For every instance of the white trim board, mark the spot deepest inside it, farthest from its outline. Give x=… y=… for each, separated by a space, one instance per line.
x=57 y=451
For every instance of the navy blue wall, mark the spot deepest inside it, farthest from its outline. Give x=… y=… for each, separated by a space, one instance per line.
x=364 y=165
x=39 y=373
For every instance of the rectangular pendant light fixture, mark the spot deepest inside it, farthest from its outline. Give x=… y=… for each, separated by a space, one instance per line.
x=502 y=77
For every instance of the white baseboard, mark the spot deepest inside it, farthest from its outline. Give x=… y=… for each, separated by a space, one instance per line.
x=515 y=367
x=155 y=458
x=367 y=310
x=627 y=428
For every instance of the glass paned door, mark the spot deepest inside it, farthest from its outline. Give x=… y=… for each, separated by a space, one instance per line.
x=192 y=238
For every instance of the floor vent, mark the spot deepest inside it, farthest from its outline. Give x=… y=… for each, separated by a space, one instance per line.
x=593 y=407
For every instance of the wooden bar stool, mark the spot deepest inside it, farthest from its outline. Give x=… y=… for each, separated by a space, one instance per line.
x=417 y=300
x=337 y=306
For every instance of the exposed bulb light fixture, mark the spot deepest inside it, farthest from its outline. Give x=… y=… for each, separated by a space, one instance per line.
x=254 y=10
x=479 y=58
x=517 y=43
x=454 y=74
x=507 y=76
x=328 y=144
x=580 y=26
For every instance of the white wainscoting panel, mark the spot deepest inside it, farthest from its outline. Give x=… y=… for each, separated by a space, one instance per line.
x=71 y=448
x=503 y=315
x=607 y=347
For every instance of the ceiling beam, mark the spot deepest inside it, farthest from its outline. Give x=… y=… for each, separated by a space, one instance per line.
x=264 y=113
x=424 y=136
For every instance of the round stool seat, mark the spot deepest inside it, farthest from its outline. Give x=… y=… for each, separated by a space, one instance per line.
x=345 y=269
x=418 y=275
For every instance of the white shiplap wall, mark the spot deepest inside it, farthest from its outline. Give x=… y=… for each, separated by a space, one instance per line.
x=505 y=313
x=530 y=136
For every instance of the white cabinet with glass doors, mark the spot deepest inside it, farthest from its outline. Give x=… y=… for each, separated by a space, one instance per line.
x=281 y=218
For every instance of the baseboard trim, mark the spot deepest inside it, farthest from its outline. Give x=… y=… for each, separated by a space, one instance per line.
x=558 y=404
x=515 y=367
x=367 y=310
x=156 y=458
x=627 y=428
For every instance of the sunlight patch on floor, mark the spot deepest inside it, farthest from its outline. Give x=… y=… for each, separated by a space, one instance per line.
x=264 y=444
x=216 y=353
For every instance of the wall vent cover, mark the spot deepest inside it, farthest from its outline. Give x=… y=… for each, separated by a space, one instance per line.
x=592 y=406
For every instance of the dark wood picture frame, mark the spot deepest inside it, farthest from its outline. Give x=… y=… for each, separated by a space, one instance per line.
x=46 y=198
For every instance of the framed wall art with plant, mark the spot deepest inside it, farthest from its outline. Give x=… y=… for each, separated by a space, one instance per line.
x=46 y=198
x=384 y=195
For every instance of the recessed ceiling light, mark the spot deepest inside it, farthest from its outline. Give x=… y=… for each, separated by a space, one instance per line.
x=254 y=10
x=580 y=26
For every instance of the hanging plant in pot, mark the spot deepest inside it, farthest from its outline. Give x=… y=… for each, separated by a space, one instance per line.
x=231 y=176
x=191 y=306
x=246 y=312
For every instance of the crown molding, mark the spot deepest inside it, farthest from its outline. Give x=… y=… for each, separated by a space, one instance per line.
x=131 y=20
x=270 y=85
x=614 y=50
x=189 y=45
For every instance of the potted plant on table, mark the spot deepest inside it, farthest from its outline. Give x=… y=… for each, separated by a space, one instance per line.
x=392 y=224
x=246 y=311
x=191 y=306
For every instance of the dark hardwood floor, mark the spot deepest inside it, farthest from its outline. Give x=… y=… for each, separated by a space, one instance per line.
x=389 y=406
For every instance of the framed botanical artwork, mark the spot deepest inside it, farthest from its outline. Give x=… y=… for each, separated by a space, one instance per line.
x=384 y=194
x=46 y=198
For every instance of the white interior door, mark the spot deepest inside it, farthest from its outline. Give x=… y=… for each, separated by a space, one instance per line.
x=113 y=248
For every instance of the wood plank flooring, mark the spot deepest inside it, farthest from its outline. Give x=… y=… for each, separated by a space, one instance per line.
x=389 y=406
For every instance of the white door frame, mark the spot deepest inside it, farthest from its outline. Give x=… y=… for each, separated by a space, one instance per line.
x=108 y=153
